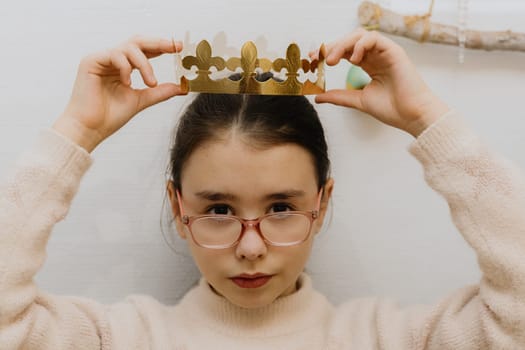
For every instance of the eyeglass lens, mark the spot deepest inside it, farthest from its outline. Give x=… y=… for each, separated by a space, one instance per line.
x=278 y=228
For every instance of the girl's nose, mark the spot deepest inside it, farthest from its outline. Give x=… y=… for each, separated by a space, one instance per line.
x=251 y=246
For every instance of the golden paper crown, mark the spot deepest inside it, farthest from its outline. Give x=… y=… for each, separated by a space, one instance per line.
x=249 y=74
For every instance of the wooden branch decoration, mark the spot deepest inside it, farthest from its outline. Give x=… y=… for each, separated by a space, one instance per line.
x=373 y=16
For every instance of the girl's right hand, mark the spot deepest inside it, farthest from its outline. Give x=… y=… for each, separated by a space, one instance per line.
x=103 y=100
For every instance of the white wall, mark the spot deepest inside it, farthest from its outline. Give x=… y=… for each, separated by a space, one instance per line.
x=390 y=234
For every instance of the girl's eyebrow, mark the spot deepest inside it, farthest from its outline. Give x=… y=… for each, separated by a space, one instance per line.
x=215 y=196
x=220 y=196
x=285 y=194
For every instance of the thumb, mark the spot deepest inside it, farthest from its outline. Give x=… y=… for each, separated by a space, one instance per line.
x=341 y=97
x=159 y=93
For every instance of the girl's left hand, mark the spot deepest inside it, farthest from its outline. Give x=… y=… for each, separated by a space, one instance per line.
x=396 y=96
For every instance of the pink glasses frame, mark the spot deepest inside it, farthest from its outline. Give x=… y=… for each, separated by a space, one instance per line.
x=312 y=215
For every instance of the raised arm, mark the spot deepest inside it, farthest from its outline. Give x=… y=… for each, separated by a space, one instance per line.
x=486 y=197
x=38 y=193
x=485 y=193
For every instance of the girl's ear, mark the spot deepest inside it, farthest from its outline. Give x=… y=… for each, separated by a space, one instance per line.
x=327 y=194
x=175 y=209
x=325 y=201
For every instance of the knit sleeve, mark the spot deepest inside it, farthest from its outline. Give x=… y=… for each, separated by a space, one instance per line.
x=36 y=194
x=486 y=197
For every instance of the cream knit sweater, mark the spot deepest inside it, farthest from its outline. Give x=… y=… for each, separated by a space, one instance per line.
x=486 y=196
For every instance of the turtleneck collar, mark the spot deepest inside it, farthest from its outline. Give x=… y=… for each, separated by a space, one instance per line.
x=298 y=311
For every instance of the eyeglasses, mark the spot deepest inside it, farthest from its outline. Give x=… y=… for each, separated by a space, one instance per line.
x=281 y=229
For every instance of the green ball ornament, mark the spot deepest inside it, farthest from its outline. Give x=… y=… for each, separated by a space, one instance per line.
x=356 y=78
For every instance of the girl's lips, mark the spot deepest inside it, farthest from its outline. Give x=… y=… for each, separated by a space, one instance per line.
x=252 y=281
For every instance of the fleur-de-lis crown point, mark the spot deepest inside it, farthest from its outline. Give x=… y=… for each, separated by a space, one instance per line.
x=251 y=67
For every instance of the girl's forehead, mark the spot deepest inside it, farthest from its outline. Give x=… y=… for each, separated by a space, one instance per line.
x=233 y=166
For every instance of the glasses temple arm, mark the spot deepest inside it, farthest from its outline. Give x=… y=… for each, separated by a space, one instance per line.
x=318 y=205
x=179 y=202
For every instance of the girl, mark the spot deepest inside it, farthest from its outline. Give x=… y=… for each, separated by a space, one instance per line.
x=249 y=190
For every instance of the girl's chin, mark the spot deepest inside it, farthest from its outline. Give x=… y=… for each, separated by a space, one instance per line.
x=254 y=298
x=250 y=299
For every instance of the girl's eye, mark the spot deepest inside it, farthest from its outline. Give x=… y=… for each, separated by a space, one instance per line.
x=280 y=207
x=219 y=209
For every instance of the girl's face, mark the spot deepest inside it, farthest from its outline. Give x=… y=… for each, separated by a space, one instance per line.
x=230 y=177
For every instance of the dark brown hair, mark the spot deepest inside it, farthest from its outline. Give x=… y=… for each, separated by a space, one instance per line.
x=265 y=120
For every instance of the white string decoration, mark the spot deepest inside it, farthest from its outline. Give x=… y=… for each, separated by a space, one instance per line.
x=462 y=27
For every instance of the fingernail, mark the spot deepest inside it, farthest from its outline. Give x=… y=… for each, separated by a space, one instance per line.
x=177 y=45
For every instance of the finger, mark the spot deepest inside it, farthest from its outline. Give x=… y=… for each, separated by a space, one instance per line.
x=314 y=54
x=347 y=98
x=153 y=47
x=362 y=46
x=138 y=59
x=118 y=60
x=162 y=92
x=343 y=48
